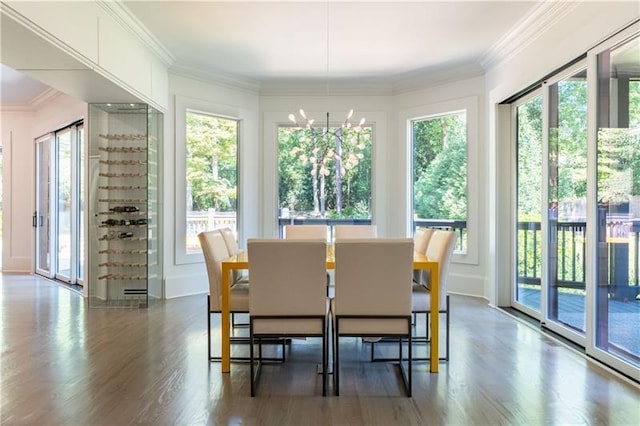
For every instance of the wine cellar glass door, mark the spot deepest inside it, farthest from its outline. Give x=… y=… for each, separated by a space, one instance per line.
x=123 y=225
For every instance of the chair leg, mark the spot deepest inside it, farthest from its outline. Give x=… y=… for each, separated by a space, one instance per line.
x=448 y=333
x=325 y=355
x=208 y=328
x=336 y=360
x=410 y=372
x=251 y=360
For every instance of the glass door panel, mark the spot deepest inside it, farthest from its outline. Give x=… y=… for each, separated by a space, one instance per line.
x=42 y=217
x=567 y=189
x=80 y=250
x=64 y=208
x=617 y=298
x=528 y=117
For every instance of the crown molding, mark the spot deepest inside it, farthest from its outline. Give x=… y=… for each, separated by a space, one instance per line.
x=544 y=16
x=437 y=77
x=215 y=77
x=123 y=15
x=44 y=97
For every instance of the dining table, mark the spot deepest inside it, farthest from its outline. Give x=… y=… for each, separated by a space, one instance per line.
x=240 y=261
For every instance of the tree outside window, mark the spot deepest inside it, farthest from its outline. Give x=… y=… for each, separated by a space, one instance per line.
x=211 y=175
x=324 y=173
x=440 y=173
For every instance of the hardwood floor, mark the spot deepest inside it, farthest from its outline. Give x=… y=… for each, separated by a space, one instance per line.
x=65 y=364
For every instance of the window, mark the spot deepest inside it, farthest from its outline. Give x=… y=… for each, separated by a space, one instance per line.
x=211 y=175
x=439 y=157
x=324 y=175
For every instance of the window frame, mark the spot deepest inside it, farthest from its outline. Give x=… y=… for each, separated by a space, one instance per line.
x=406 y=119
x=270 y=189
x=185 y=105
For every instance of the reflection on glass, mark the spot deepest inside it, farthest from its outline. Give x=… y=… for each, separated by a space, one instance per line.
x=618 y=197
x=567 y=201
x=529 y=197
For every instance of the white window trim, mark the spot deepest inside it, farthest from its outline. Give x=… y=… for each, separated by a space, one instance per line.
x=182 y=105
x=405 y=119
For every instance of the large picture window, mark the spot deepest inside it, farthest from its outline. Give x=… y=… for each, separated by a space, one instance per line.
x=211 y=175
x=324 y=175
x=440 y=173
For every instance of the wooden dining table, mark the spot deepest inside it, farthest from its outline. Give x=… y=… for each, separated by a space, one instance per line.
x=240 y=261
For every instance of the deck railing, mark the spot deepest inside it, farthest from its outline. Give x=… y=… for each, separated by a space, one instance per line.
x=622 y=235
x=619 y=255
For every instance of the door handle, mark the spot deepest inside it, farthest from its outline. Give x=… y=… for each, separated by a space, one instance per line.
x=41 y=220
x=34 y=219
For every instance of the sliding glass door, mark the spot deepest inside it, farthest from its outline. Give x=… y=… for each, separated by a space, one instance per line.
x=64 y=208
x=43 y=219
x=616 y=301
x=526 y=294
x=58 y=218
x=577 y=203
x=565 y=290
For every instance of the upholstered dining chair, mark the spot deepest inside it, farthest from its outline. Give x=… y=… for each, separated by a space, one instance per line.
x=288 y=296
x=239 y=277
x=215 y=251
x=420 y=243
x=440 y=248
x=232 y=247
x=373 y=295
x=311 y=232
x=355 y=231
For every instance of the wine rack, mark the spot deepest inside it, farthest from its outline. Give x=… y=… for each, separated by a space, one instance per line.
x=125 y=262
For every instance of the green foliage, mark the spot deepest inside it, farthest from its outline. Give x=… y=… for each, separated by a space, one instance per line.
x=211 y=162
x=529 y=159
x=440 y=167
x=325 y=173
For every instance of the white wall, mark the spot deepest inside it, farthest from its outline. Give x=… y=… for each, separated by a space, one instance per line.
x=587 y=24
x=102 y=57
x=19 y=130
x=16 y=205
x=469 y=271
x=190 y=278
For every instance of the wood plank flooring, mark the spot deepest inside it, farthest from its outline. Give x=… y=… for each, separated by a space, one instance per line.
x=65 y=364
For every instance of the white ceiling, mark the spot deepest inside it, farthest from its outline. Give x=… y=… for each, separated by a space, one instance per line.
x=268 y=43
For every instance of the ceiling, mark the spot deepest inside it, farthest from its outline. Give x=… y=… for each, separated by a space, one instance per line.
x=306 y=41
x=268 y=43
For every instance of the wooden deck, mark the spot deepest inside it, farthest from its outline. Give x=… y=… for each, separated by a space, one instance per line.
x=624 y=317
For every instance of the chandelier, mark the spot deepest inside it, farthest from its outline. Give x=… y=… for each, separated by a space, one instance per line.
x=309 y=122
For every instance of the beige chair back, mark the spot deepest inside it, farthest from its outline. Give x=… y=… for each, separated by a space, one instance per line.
x=215 y=251
x=441 y=249
x=230 y=240
x=373 y=277
x=288 y=278
x=305 y=232
x=420 y=243
x=355 y=231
